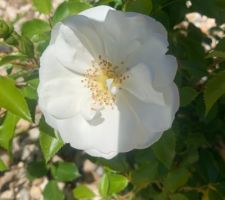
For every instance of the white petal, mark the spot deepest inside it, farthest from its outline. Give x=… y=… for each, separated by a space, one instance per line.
x=152 y=54
x=133 y=124
x=96 y=153
x=70 y=51
x=59 y=89
x=98 y=13
x=62 y=97
x=88 y=33
x=154 y=118
x=82 y=135
x=172 y=100
x=118 y=132
x=88 y=109
x=171 y=95
x=126 y=32
x=51 y=68
x=139 y=84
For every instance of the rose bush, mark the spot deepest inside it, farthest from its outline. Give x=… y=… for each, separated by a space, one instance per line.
x=105 y=76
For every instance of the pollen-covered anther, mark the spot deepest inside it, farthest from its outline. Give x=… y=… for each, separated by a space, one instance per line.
x=104 y=80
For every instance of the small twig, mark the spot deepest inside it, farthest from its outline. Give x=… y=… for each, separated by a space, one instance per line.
x=23 y=65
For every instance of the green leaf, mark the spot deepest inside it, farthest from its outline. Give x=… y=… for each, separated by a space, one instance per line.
x=111 y=184
x=3 y=166
x=64 y=171
x=104 y=2
x=7 y=130
x=45 y=128
x=43 y=6
x=179 y=197
x=26 y=47
x=5 y=29
x=69 y=8
x=164 y=149
x=215 y=88
x=12 y=99
x=9 y=58
x=187 y=95
x=13 y=39
x=61 y=13
x=145 y=174
x=83 y=192
x=103 y=186
x=52 y=192
x=36 y=169
x=140 y=6
x=30 y=90
x=162 y=196
x=35 y=27
x=117 y=183
x=50 y=145
x=214 y=195
x=32 y=103
x=176 y=179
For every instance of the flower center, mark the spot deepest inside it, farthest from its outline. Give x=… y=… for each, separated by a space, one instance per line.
x=104 y=81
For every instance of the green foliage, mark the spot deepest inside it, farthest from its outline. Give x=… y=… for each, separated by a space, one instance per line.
x=3 y=167
x=50 y=142
x=215 y=89
x=179 y=197
x=36 y=169
x=83 y=192
x=111 y=184
x=141 y=6
x=104 y=186
x=43 y=6
x=35 y=27
x=186 y=163
x=10 y=58
x=119 y=163
x=52 y=191
x=176 y=179
x=64 y=171
x=8 y=93
x=145 y=174
x=5 y=29
x=187 y=95
x=30 y=90
x=164 y=149
x=68 y=8
x=7 y=131
x=147 y=170
x=26 y=47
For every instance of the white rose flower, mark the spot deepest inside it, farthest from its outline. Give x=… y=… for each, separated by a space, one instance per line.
x=106 y=83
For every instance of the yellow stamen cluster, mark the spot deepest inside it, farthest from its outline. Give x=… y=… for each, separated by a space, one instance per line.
x=95 y=79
